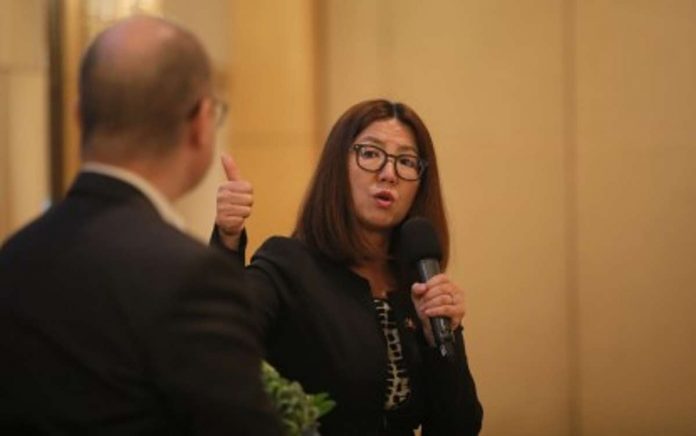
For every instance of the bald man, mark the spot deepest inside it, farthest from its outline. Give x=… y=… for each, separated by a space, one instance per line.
x=112 y=320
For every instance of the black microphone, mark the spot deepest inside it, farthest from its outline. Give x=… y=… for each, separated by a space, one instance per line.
x=420 y=247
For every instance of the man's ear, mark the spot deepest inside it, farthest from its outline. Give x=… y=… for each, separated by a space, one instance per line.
x=201 y=123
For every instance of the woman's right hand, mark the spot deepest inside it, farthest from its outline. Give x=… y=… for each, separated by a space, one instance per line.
x=234 y=200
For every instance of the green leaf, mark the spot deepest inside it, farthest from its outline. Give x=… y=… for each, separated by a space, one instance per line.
x=298 y=410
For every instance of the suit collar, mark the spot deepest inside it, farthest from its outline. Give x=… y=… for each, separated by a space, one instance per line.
x=107 y=187
x=143 y=186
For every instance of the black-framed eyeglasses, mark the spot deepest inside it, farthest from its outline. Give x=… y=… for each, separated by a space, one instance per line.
x=219 y=110
x=373 y=159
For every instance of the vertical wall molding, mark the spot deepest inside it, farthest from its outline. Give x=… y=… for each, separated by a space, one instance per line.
x=55 y=24
x=5 y=198
x=570 y=144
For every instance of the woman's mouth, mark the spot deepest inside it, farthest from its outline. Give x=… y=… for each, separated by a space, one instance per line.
x=384 y=199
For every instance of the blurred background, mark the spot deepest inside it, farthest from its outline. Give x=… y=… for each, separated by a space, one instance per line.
x=566 y=134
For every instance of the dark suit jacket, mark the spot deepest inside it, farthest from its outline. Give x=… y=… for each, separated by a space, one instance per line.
x=321 y=329
x=114 y=322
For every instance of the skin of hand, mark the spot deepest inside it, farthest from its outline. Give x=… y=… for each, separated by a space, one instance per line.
x=235 y=197
x=438 y=297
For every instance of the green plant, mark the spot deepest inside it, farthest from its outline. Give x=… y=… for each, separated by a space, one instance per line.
x=298 y=410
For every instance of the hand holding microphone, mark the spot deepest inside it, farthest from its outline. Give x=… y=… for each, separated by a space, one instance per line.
x=438 y=301
x=234 y=200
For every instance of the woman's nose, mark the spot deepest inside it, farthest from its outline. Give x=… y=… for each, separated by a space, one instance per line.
x=388 y=171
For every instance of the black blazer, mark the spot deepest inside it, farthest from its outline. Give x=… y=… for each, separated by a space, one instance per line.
x=321 y=329
x=114 y=322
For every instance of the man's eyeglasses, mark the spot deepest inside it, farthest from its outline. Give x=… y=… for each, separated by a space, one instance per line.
x=373 y=159
x=219 y=110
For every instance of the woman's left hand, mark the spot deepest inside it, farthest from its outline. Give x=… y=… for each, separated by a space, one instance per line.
x=438 y=297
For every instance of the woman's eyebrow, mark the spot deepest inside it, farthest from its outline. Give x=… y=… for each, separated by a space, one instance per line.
x=371 y=139
x=377 y=141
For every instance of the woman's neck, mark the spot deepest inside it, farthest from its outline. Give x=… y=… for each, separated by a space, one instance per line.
x=377 y=244
x=374 y=266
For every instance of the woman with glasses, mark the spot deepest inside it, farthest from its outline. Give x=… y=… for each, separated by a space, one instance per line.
x=337 y=312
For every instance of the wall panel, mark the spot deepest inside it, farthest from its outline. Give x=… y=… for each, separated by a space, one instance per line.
x=273 y=85
x=24 y=189
x=487 y=77
x=637 y=241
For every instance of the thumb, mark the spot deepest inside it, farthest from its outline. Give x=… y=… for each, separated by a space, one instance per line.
x=230 y=167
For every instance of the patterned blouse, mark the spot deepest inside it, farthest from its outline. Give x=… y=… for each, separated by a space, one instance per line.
x=398 y=385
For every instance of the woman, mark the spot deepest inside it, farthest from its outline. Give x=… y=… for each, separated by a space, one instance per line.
x=337 y=311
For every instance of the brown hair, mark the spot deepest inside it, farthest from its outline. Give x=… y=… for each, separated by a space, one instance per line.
x=327 y=221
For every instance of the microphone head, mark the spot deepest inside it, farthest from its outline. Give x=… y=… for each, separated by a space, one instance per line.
x=418 y=240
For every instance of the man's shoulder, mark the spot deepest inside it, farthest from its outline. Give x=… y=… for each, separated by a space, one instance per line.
x=152 y=241
x=124 y=236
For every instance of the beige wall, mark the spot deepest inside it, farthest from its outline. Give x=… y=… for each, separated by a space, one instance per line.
x=24 y=189
x=266 y=52
x=488 y=80
x=636 y=191
x=210 y=21
x=273 y=107
x=565 y=134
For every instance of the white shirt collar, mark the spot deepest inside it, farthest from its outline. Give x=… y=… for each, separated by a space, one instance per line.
x=158 y=200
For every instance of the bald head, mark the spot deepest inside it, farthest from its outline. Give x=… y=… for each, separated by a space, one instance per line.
x=140 y=81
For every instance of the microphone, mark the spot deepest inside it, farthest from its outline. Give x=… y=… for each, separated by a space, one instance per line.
x=421 y=248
